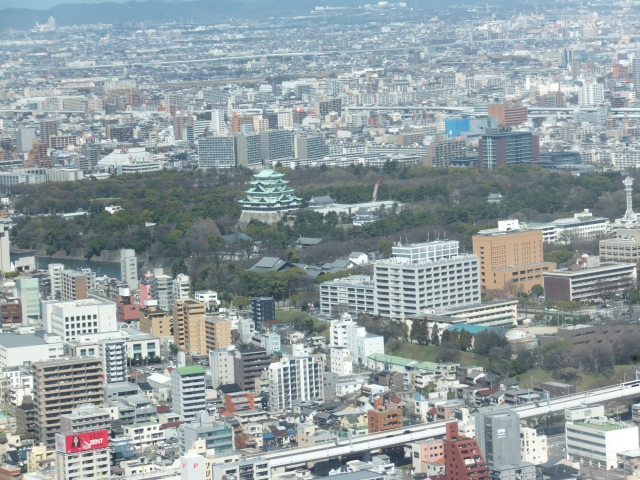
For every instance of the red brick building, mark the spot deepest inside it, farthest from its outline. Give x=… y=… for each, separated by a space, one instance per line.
x=239 y=402
x=127 y=310
x=386 y=415
x=462 y=456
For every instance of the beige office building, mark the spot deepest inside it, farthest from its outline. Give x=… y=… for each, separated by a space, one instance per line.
x=60 y=386
x=155 y=321
x=217 y=332
x=188 y=326
x=510 y=257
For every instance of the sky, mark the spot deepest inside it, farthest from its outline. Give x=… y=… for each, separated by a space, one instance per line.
x=46 y=4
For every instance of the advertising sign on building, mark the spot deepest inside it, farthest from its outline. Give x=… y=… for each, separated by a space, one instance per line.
x=82 y=442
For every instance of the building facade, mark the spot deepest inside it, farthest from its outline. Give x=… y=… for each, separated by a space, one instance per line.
x=294 y=378
x=188 y=391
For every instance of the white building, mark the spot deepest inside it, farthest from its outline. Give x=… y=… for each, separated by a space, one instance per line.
x=341 y=361
x=27 y=346
x=356 y=292
x=114 y=360
x=145 y=434
x=361 y=344
x=246 y=330
x=128 y=160
x=298 y=377
x=181 y=287
x=591 y=94
x=271 y=342
x=533 y=446
x=582 y=226
x=188 y=391
x=207 y=296
x=349 y=386
x=129 y=268
x=72 y=319
x=222 y=367
x=218 y=123
x=55 y=273
x=338 y=332
x=162 y=289
x=5 y=260
x=592 y=438
x=431 y=275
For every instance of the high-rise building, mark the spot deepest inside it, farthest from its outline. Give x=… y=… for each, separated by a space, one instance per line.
x=635 y=73
x=48 y=128
x=155 y=321
x=120 y=133
x=248 y=365
x=181 y=287
x=28 y=291
x=82 y=445
x=277 y=144
x=463 y=458
x=55 y=274
x=75 y=285
x=92 y=153
x=218 y=437
x=295 y=378
x=144 y=289
x=498 y=435
x=248 y=150
x=441 y=152
x=74 y=318
x=216 y=152
x=5 y=245
x=180 y=122
x=310 y=147
x=161 y=289
x=217 y=333
x=24 y=139
x=262 y=309
x=188 y=326
x=59 y=386
x=505 y=148
x=188 y=392
x=114 y=360
x=218 y=123
x=591 y=94
x=508 y=115
x=425 y=275
x=510 y=257
x=129 y=268
x=222 y=367
x=325 y=107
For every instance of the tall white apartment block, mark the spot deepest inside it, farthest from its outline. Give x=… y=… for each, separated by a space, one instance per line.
x=162 y=289
x=338 y=332
x=188 y=391
x=129 y=268
x=55 y=273
x=593 y=438
x=216 y=152
x=72 y=319
x=222 y=367
x=218 y=124
x=5 y=259
x=114 y=360
x=181 y=287
x=356 y=292
x=591 y=94
x=431 y=275
x=533 y=446
x=297 y=377
x=341 y=361
x=361 y=344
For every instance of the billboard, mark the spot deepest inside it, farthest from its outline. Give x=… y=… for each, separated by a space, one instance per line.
x=82 y=442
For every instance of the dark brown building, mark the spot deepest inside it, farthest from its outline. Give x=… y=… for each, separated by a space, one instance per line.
x=26 y=416
x=249 y=363
x=11 y=312
x=384 y=416
x=508 y=115
x=121 y=133
x=591 y=335
x=463 y=459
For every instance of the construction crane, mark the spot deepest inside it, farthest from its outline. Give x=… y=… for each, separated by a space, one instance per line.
x=375 y=190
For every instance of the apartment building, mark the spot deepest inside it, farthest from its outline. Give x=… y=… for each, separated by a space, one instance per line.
x=462 y=456
x=188 y=391
x=72 y=319
x=262 y=309
x=249 y=363
x=624 y=248
x=277 y=144
x=55 y=274
x=310 y=147
x=129 y=268
x=508 y=115
x=356 y=293
x=295 y=378
x=222 y=367
x=114 y=360
x=154 y=321
x=75 y=284
x=425 y=275
x=495 y=433
x=218 y=437
x=589 y=279
x=188 y=332
x=440 y=152
x=181 y=287
x=248 y=150
x=161 y=290
x=145 y=434
x=384 y=417
x=82 y=445
x=59 y=386
x=217 y=333
x=533 y=446
x=510 y=257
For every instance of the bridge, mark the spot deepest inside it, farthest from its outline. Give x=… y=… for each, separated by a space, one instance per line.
x=365 y=443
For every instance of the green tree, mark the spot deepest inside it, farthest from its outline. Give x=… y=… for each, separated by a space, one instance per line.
x=537 y=290
x=96 y=245
x=435 y=335
x=420 y=332
x=385 y=246
x=178 y=267
x=465 y=340
x=633 y=297
x=241 y=302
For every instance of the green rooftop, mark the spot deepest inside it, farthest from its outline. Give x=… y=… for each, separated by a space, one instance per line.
x=381 y=357
x=427 y=365
x=607 y=427
x=194 y=370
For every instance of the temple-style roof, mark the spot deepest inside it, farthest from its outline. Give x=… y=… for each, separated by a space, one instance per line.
x=268 y=189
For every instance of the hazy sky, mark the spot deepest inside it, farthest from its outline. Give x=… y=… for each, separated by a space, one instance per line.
x=45 y=4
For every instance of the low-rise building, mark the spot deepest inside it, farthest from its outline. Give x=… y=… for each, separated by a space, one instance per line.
x=356 y=293
x=533 y=446
x=144 y=434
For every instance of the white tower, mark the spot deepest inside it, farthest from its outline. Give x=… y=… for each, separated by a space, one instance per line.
x=628 y=190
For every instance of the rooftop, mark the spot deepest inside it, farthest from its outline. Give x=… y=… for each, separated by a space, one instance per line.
x=194 y=370
x=606 y=427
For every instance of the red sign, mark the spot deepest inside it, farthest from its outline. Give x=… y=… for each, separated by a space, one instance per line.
x=81 y=442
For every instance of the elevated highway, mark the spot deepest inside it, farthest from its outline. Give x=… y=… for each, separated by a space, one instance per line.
x=364 y=443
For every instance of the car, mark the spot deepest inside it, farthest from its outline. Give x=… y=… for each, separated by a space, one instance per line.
x=406 y=432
